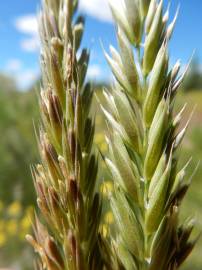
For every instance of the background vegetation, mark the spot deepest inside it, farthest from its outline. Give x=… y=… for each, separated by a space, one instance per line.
x=18 y=149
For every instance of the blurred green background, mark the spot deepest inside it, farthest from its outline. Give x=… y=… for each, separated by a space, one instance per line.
x=18 y=149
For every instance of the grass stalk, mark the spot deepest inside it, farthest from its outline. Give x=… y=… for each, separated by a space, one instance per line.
x=150 y=237
x=66 y=179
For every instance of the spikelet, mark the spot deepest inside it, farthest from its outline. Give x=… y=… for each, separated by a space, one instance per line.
x=143 y=141
x=65 y=181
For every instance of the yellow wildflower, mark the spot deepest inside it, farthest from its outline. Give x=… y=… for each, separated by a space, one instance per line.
x=104 y=147
x=109 y=218
x=99 y=138
x=14 y=209
x=106 y=188
x=12 y=227
x=29 y=211
x=104 y=230
x=2 y=239
x=25 y=223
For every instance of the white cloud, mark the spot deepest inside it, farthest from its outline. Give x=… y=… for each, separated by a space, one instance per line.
x=23 y=77
x=26 y=78
x=30 y=44
x=94 y=72
x=27 y=25
x=97 y=8
x=13 y=65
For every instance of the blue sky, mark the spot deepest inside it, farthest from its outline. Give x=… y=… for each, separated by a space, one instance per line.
x=19 y=52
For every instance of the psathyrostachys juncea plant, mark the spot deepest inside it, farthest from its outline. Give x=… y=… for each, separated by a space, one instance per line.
x=144 y=138
x=65 y=181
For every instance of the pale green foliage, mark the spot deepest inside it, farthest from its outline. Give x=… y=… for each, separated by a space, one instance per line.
x=143 y=141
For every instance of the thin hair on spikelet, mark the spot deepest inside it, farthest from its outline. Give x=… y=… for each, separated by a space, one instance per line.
x=65 y=181
x=144 y=140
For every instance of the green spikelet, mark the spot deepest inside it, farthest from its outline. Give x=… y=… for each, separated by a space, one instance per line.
x=65 y=181
x=143 y=141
